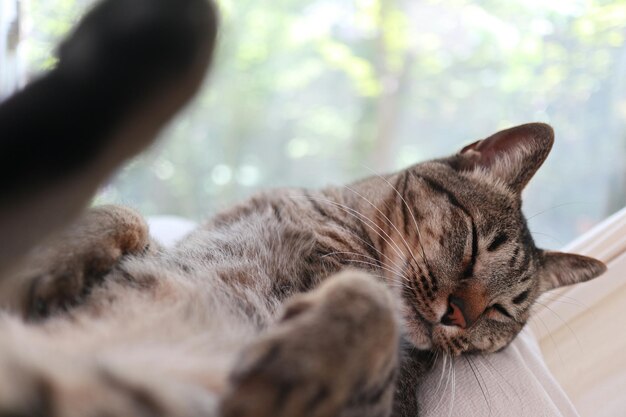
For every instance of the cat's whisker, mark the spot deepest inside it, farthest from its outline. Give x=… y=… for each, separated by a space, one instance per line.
x=570 y=303
x=374 y=263
x=537 y=317
x=562 y=298
x=394 y=265
x=370 y=221
x=453 y=388
x=443 y=367
x=399 y=284
x=574 y=300
x=371 y=264
x=434 y=358
x=354 y=213
x=448 y=369
x=406 y=244
x=547 y=235
x=494 y=377
x=484 y=357
x=564 y=322
x=475 y=370
x=395 y=283
x=571 y=203
x=417 y=229
x=393 y=225
x=482 y=377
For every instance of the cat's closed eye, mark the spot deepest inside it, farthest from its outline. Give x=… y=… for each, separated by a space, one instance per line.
x=497 y=311
x=468 y=270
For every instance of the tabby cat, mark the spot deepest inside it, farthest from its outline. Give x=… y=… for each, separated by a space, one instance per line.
x=294 y=303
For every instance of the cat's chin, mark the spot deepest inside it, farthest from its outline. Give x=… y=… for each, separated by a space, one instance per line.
x=417 y=330
x=419 y=334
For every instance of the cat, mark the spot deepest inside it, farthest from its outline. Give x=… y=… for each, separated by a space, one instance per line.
x=297 y=302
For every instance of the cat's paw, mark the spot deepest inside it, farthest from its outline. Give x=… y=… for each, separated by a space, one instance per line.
x=61 y=272
x=73 y=263
x=332 y=346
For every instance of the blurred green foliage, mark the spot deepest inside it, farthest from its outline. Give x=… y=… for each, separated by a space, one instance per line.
x=310 y=92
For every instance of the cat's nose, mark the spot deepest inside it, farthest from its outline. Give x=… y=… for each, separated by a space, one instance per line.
x=463 y=310
x=455 y=315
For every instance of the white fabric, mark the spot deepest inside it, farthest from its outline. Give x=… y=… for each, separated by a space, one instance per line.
x=582 y=330
x=168 y=229
x=514 y=382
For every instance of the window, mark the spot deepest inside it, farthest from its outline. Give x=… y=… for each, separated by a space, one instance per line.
x=10 y=68
x=311 y=92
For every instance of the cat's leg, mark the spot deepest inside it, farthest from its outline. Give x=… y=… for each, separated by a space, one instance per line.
x=333 y=353
x=61 y=272
x=39 y=380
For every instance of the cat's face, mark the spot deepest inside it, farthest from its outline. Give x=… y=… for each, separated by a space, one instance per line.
x=473 y=272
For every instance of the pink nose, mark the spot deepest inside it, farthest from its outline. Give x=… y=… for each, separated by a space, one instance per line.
x=455 y=316
x=465 y=306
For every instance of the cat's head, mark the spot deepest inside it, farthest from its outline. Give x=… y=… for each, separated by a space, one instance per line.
x=473 y=271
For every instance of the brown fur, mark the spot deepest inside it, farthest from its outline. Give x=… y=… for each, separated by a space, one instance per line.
x=251 y=314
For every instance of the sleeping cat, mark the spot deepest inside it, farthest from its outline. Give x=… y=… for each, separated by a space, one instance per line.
x=306 y=303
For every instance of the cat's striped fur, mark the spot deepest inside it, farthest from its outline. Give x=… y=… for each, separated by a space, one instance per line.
x=251 y=314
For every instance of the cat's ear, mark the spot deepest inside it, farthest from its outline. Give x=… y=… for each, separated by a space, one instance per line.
x=561 y=269
x=512 y=155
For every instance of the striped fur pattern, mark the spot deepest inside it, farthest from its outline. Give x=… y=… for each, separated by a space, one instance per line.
x=297 y=302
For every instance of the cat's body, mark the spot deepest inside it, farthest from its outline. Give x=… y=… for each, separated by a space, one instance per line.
x=247 y=316
x=168 y=322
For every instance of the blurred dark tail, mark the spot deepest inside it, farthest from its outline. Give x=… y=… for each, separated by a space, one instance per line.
x=123 y=73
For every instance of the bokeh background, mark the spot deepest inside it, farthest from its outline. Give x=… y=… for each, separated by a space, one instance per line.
x=316 y=92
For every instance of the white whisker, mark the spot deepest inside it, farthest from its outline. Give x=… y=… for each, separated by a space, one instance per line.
x=417 y=229
x=476 y=374
x=556 y=348
x=445 y=360
x=453 y=388
x=375 y=261
x=448 y=380
x=354 y=213
x=376 y=266
x=394 y=265
x=564 y=322
x=406 y=244
x=519 y=398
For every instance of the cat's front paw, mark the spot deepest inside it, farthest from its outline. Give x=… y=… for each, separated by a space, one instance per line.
x=334 y=346
x=60 y=273
x=79 y=259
